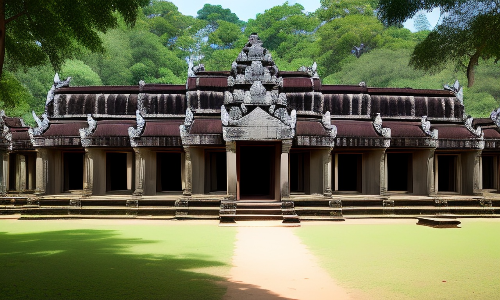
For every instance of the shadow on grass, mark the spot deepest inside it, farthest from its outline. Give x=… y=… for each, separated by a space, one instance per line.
x=98 y=264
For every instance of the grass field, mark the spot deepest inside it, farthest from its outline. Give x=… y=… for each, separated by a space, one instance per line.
x=405 y=261
x=103 y=259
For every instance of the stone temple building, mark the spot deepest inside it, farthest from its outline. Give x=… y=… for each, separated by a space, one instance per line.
x=251 y=142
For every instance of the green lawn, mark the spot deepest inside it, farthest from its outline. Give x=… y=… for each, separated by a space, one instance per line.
x=100 y=259
x=406 y=261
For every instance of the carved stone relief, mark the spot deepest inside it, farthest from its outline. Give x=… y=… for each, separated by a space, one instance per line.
x=85 y=133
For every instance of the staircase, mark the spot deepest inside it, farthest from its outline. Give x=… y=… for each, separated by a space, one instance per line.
x=257 y=210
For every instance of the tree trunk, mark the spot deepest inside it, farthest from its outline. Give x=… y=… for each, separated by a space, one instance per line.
x=2 y=35
x=473 y=61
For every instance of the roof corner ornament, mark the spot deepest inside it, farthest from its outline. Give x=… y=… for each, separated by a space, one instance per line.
x=426 y=128
x=377 y=125
x=457 y=90
x=135 y=133
x=42 y=125
x=85 y=133
x=5 y=129
x=197 y=69
x=188 y=122
x=495 y=117
x=312 y=70
x=478 y=132
x=327 y=123
x=58 y=83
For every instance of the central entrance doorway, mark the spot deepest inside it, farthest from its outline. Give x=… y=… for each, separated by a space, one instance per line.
x=256 y=172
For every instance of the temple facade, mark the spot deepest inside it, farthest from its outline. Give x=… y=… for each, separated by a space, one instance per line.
x=252 y=142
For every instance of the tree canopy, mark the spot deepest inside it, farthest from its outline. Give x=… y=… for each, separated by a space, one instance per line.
x=470 y=31
x=34 y=31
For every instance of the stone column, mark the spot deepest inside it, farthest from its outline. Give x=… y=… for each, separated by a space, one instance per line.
x=188 y=171
x=327 y=173
x=88 y=173
x=140 y=172
x=284 y=184
x=423 y=172
x=374 y=172
x=231 y=170
x=471 y=173
x=42 y=171
x=21 y=173
x=4 y=172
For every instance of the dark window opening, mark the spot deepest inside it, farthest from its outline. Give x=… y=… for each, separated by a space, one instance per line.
x=216 y=171
x=447 y=173
x=256 y=172
x=299 y=172
x=349 y=172
x=73 y=170
x=12 y=172
x=488 y=172
x=168 y=172
x=399 y=172
x=116 y=171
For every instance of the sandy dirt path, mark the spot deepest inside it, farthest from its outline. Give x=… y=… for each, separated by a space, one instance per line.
x=272 y=263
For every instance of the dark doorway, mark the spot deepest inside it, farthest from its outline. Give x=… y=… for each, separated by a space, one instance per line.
x=447 y=173
x=399 y=172
x=116 y=171
x=168 y=172
x=299 y=172
x=216 y=170
x=349 y=172
x=256 y=172
x=12 y=172
x=73 y=170
x=488 y=167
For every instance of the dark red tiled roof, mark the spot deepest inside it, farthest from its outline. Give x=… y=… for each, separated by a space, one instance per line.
x=114 y=127
x=405 y=129
x=65 y=129
x=491 y=133
x=206 y=126
x=162 y=128
x=482 y=122
x=348 y=128
x=453 y=131
x=311 y=128
x=12 y=122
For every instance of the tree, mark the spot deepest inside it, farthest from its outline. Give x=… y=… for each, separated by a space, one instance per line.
x=421 y=22
x=470 y=30
x=34 y=31
x=214 y=13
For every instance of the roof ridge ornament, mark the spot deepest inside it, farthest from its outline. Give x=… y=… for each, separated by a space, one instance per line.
x=58 y=83
x=326 y=120
x=495 y=117
x=42 y=125
x=478 y=132
x=426 y=128
x=5 y=129
x=188 y=122
x=312 y=70
x=85 y=133
x=377 y=125
x=457 y=90
x=135 y=133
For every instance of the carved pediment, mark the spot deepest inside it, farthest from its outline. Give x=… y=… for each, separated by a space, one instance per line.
x=258 y=125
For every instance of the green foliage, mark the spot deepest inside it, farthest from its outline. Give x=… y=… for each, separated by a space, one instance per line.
x=339 y=36
x=42 y=31
x=80 y=73
x=14 y=97
x=333 y=9
x=470 y=30
x=221 y=60
x=215 y=13
x=225 y=35
x=421 y=22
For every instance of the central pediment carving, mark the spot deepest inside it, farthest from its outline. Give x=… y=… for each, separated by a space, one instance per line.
x=254 y=109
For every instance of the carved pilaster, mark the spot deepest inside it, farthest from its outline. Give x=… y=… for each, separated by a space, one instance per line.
x=327 y=173
x=430 y=173
x=4 y=182
x=42 y=171
x=284 y=184
x=232 y=181
x=188 y=172
x=140 y=171
x=88 y=183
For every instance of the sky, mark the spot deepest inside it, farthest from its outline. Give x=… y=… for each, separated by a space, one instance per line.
x=248 y=9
